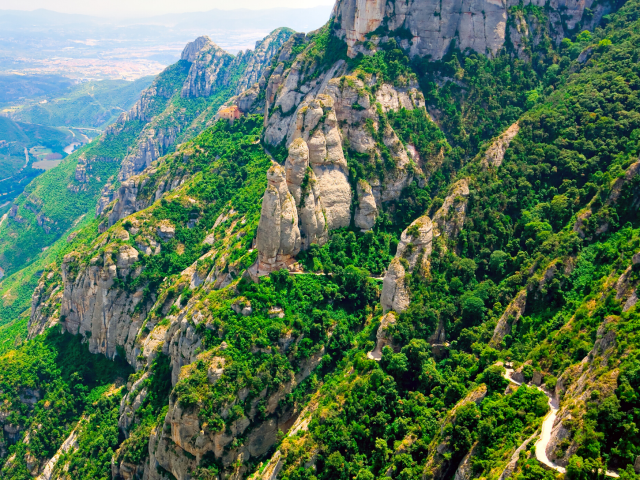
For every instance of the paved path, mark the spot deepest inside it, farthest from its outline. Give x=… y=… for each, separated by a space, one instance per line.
x=547 y=429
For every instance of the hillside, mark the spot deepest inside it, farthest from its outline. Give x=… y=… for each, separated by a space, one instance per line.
x=16 y=163
x=393 y=254
x=178 y=105
x=93 y=104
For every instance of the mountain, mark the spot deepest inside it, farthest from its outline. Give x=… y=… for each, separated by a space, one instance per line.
x=409 y=250
x=178 y=105
x=92 y=104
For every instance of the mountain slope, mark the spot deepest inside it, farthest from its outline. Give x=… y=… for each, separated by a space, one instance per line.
x=263 y=342
x=171 y=111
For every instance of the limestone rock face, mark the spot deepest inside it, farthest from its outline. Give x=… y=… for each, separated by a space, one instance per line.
x=303 y=185
x=382 y=338
x=208 y=68
x=278 y=232
x=415 y=242
x=44 y=294
x=450 y=217
x=415 y=246
x=367 y=211
x=259 y=60
x=495 y=153
x=395 y=295
x=182 y=442
x=479 y=26
x=326 y=158
x=106 y=316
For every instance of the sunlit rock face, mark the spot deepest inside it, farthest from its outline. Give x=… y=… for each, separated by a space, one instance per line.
x=430 y=27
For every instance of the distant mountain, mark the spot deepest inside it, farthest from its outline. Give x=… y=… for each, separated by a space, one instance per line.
x=299 y=19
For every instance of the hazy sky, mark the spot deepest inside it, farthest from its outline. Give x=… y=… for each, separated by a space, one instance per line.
x=151 y=7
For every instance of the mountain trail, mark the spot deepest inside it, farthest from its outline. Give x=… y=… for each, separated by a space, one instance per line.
x=547 y=429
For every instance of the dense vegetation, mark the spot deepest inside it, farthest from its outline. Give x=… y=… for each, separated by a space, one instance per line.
x=47 y=384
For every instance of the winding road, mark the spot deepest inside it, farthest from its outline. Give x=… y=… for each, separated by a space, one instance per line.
x=547 y=428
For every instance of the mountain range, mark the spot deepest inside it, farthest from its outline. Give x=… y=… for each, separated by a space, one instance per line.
x=403 y=246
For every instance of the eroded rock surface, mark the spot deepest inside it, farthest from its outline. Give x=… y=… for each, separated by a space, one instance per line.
x=395 y=295
x=450 y=217
x=367 y=211
x=480 y=26
x=415 y=242
x=495 y=154
x=278 y=238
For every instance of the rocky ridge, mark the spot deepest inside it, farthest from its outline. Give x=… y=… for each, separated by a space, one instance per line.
x=208 y=71
x=429 y=28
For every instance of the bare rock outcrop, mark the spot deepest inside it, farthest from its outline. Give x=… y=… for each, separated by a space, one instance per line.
x=48 y=292
x=208 y=67
x=382 y=337
x=259 y=60
x=451 y=216
x=415 y=242
x=413 y=252
x=317 y=124
x=91 y=307
x=304 y=186
x=395 y=295
x=367 y=211
x=179 y=446
x=495 y=154
x=435 y=26
x=278 y=240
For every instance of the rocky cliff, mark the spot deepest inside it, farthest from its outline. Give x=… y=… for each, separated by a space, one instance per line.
x=430 y=29
x=205 y=70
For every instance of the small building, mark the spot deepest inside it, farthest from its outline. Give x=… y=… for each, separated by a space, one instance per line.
x=230 y=113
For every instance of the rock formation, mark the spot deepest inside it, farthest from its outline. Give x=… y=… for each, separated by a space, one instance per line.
x=303 y=185
x=367 y=211
x=415 y=242
x=435 y=26
x=208 y=67
x=413 y=251
x=92 y=308
x=395 y=295
x=495 y=154
x=317 y=125
x=317 y=178
x=278 y=238
x=450 y=217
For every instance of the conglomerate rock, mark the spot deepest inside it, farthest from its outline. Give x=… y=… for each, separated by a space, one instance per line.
x=278 y=239
x=435 y=26
x=395 y=295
